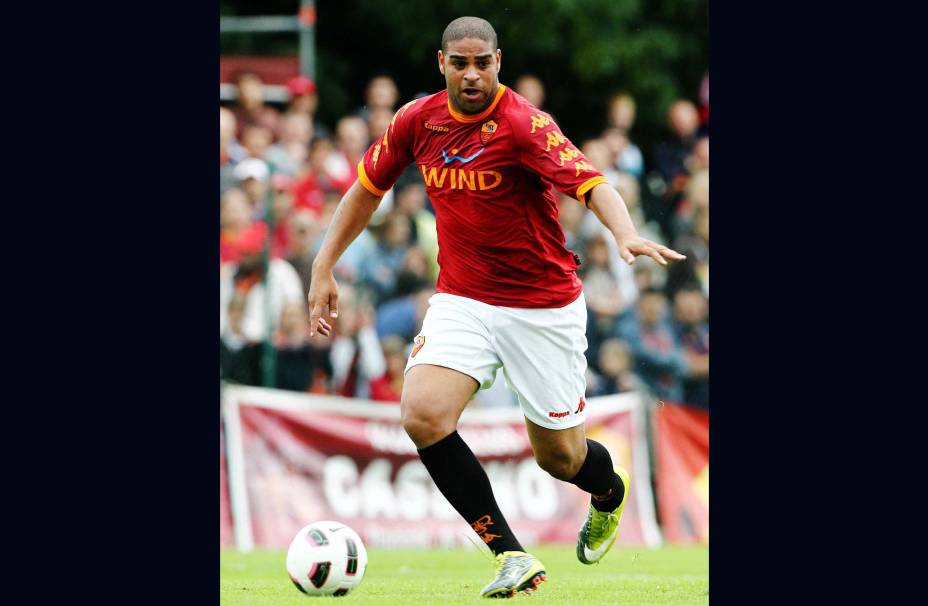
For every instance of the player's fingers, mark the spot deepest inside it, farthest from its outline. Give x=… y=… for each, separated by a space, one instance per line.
x=333 y=304
x=314 y=317
x=652 y=252
x=324 y=328
x=627 y=255
x=671 y=253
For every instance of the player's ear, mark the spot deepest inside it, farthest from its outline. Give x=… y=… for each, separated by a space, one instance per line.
x=499 y=60
x=441 y=63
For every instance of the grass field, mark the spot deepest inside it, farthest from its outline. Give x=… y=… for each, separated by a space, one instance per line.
x=629 y=576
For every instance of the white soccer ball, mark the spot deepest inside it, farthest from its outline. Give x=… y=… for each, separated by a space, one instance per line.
x=326 y=558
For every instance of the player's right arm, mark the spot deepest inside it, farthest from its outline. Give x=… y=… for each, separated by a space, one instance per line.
x=377 y=172
x=351 y=216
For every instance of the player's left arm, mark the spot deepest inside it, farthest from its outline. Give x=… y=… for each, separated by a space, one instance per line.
x=610 y=209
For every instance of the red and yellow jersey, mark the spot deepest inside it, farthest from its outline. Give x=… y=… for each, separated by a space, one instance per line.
x=490 y=178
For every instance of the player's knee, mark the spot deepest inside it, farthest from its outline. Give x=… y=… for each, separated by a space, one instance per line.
x=560 y=463
x=423 y=423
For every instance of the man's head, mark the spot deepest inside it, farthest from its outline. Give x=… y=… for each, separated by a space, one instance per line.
x=652 y=305
x=250 y=90
x=683 y=118
x=470 y=61
x=690 y=306
x=381 y=92
x=532 y=89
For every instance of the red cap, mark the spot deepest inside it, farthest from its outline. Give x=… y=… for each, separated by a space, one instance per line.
x=252 y=239
x=301 y=85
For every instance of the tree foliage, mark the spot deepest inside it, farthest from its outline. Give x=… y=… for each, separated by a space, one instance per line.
x=583 y=50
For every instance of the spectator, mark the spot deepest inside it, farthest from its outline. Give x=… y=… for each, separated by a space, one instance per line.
x=230 y=152
x=692 y=329
x=381 y=93
x=389 y=386
x=615 y=370
x=671 y=155
x=572 y=215
x=695 y=268
x=356 y=354
x=385 y=260
x=297 y=360
x=253 y=176
x=671 y=158
x=303 y=229
x=622 y=111
x=403 y=316
x=235 y=216
x=289 y=155
x=304 y=99
x=605 y=300
x=599 y=155
x=532 y=88
x=410 y=200
x=248 y=280
x=704 y=105
x=378 y=121
x=341 y=166
x=239 y=357
x=659 y=360
x=249 y=108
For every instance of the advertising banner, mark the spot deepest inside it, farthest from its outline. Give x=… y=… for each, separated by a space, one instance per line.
x=305 y=458
x=682 y=451
x=226 y=536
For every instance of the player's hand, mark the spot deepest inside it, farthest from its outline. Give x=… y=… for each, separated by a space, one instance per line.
x=639 y=246
x=323 y=299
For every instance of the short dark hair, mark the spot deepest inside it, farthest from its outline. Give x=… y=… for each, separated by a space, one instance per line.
x=469 y=27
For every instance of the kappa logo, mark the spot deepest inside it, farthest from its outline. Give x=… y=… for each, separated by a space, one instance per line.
x=420 y=341
x=438 y=128
x=480 y=527
x=488 y=130
x=558 y=415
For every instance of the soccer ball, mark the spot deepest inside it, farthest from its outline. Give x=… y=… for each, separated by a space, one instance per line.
x=326 y=558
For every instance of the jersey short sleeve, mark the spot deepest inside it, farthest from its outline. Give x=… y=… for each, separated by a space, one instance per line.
x=386 y=159
x=545 y=151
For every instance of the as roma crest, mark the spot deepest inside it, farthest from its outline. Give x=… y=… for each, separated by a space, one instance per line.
x=487 y=130
x=420 y=341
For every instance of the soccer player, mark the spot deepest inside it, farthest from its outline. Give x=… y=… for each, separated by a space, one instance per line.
x=507 y=293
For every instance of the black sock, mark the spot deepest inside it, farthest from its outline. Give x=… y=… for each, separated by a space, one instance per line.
x=460 y=477
x=597 y=477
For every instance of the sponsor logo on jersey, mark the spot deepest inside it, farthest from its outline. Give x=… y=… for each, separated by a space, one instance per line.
x=454 y=156
x=457 y=178
x=580 y=406
x=420 y=341
x=487 y=130
x=558 y=415
x=437 y=128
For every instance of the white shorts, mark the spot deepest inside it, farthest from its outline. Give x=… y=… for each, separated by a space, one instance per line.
x=539 y=350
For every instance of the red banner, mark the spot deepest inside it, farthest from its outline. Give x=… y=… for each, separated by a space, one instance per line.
x=226 y=537
x=683 y=472
x=306 y=459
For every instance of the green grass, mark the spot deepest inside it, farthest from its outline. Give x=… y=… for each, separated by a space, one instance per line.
x=627 y=576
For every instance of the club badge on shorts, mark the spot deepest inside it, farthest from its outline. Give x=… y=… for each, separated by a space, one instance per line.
x=487 y=130
x=420 y=341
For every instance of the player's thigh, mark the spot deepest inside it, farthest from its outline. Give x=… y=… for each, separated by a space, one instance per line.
x=560 y=452
x=433 y=399
x=542 y=352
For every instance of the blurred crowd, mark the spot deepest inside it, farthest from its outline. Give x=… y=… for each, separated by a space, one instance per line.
x=282 y=173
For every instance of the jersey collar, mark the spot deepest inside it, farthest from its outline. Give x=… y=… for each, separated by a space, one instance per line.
x=478 y=117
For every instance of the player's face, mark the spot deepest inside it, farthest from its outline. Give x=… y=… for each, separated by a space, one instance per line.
x=471 y=69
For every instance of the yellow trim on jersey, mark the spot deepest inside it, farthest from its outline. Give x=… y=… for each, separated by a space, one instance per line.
x=366 y=182
x=587 y=186
x=468 y=118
